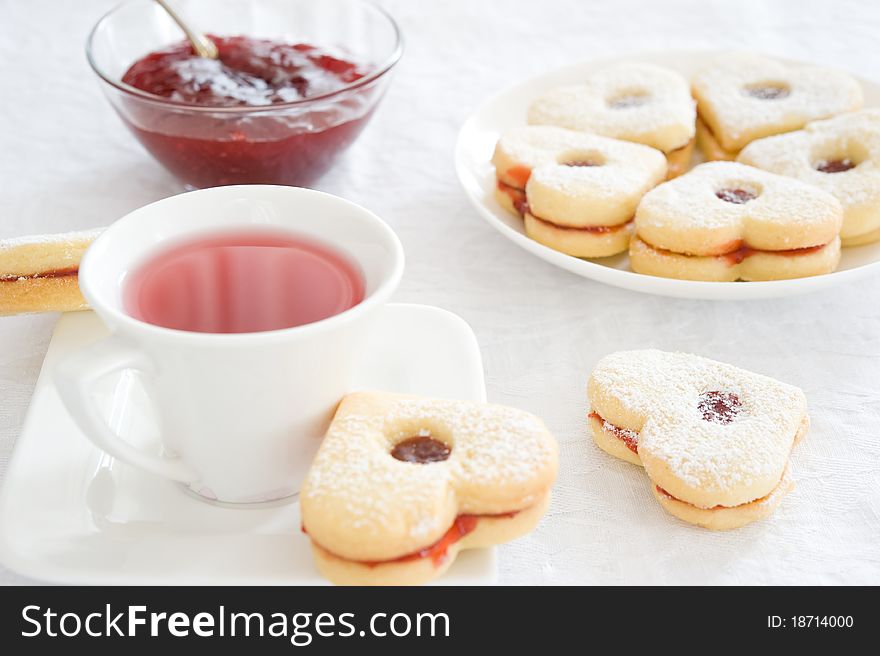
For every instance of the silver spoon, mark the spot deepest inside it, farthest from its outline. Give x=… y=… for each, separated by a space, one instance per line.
x=203 y=46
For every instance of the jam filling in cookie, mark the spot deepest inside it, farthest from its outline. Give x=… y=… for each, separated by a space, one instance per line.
x=736 y=196
x=521 y=205
x=719 y=407
x=628 y=437
x=58 y=273
x=599 y=230
x=666 y=494
x=421 y=449
x=439 y=551
x=835 y=165
x=741 y=251
x=517 y=197
x=519 y=175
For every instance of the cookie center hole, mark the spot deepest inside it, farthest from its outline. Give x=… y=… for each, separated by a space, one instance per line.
x=835 y=165
x=736 y=195
x=629 y=99
x=421 y=449
x=719 y=407
x=767 y=91
x=582 y=158
x=582 y=162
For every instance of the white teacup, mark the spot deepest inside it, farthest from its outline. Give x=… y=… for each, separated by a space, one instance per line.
x=240 y=415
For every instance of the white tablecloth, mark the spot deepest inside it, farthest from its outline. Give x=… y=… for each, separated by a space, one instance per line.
x=67 y=162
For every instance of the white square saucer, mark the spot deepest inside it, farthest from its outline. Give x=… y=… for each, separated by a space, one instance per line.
x=71 y=514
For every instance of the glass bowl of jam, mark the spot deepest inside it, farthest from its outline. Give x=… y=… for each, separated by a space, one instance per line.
x=295 y=83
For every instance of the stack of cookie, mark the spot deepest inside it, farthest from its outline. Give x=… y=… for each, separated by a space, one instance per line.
x=743 y=97
x=576 y=192
x=840 y=156
x=402 y=484
x=641 y=103
x=40 y=273
x=805 y=179
x=724 y=221
x=715 y=440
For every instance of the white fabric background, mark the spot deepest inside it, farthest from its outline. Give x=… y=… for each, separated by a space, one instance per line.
x=66 y=162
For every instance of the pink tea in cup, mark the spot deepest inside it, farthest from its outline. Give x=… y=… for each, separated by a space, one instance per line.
x=243 y=282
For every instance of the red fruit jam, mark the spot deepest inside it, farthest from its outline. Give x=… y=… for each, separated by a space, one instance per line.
x=262 y=143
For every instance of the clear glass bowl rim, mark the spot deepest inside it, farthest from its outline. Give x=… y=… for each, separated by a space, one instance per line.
x=381 y=70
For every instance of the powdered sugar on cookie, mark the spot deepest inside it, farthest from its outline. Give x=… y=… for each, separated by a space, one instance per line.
x=840 y=156
x=30 y=256
x=632 y=101
x=743 y=97
x=663 y=392
x=718 y=204
x=361 y=503
x=576 y=192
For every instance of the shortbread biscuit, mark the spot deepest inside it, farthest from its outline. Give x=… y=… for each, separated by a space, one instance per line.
x=742 y=97
x=576 y=192
x=401 y=484
x=40 y=273
x=840 y=155
x=714 y=439
x=643 y=103
x=728 y=221
x=709 y=146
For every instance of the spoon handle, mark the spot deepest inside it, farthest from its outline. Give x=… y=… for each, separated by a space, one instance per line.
x=203 y=46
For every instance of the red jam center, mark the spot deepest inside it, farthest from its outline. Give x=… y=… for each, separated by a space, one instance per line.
x=420 y=449
x=767 y=92
x=205 y=149
x=735 y=196
x=835 y=165
x=438 y=551
x=719 y=407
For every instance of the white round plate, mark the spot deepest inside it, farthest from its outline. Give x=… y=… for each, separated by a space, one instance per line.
x=473 y=152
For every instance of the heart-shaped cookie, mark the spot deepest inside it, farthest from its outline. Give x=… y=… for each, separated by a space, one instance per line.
x=840 y=155
x=714 y=439
x=401 y=484
x=724 y=221
x=576 y=192
x=742 y=97
x=637 y=102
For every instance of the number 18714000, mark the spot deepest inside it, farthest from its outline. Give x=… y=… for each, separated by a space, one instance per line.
x=810 y=621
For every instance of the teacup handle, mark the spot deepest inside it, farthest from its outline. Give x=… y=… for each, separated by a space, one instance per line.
x=76 y=377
